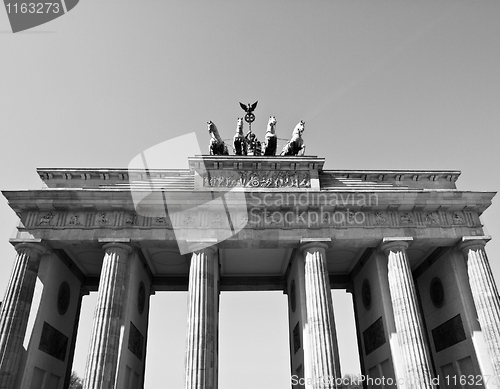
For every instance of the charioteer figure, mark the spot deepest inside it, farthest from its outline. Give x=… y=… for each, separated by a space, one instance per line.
x=254 y=145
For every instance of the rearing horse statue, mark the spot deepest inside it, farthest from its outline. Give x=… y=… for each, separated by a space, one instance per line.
x=217 y=145
x=270 y=141
x=239 y=141
x=295 y=146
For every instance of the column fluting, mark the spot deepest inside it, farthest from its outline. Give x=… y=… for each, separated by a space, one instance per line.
x=411 y=340
x=320 y=317
x=485 y=295
x=201 y=367
x=102 y=359
x=15 y=310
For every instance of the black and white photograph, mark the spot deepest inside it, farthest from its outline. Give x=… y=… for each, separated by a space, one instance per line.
x=240 y=194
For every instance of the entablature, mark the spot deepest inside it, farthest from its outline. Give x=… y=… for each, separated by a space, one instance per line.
x=165 y=201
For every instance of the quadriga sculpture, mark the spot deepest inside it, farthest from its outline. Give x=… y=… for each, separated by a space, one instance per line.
x=239 y=141
x=270 y=140
x=295 y=146
x=217 y=145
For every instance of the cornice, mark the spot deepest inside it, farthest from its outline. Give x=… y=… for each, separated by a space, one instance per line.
x=255 y=163
x=229 y=171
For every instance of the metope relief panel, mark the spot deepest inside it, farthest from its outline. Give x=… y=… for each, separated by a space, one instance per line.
x=45 y=219
x=240 y=218
x=105 y=219
x=159 y=221
x=75 y=219
x=431 y=218
x=128 y=219
x=458 y=218
x=380 y=219
x=406 y=218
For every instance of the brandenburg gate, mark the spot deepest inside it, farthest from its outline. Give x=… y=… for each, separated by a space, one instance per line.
x=408 y=245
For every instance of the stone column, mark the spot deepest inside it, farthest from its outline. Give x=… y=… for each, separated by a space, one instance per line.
x=484 y=294
x=15 y=310
x=102 y=359
x=203 y=312
x=72 y=347
x=417 y=370
x=324 y=363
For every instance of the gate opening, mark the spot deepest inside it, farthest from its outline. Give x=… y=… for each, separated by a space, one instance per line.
x=253 y=340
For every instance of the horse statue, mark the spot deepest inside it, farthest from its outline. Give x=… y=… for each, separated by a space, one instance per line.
x=217 y=145
x=271 y=140
x=239 y=141
x=295 y=146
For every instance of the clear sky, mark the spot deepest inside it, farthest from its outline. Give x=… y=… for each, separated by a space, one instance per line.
x=380 y=84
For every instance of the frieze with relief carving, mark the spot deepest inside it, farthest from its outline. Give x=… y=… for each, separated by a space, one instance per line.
x=257 y=179
x=289 y=217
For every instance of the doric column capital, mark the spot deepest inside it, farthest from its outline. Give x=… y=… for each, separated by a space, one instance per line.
x=208 y=246
x=314 y=243
x=473 y=242
x=124 y=247
x=35 y=248
x=395 y=243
